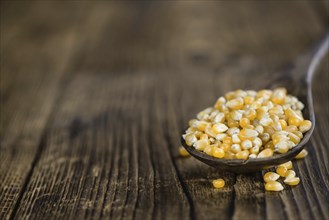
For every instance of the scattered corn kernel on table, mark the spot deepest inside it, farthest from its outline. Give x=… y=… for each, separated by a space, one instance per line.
x=95 y=96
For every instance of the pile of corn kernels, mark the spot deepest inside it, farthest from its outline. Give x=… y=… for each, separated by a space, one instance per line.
x=249 y=124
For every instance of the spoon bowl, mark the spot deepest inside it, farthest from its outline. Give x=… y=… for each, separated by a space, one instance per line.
x=299 y=83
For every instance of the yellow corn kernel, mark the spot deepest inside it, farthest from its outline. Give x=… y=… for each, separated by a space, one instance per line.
x=227 y=140
x=248 y=100
x=246 y=144
x=287 y=165
x=218 y=152
x=201 y=144
x=273 y=186
x=265 y=137
x=250 y=127
x=279 y=96
x=276 y=138
x=230 y=95
x=261 y=112
x=218 y=183
x=208 y=150
x=201 y=125
x=229 y=155
x=269 y=145
x=242 y=155
x=210 y=132
x=220 y=101
x=290 y=174
x=265 y=93
x=259 y=129
x=247 y=134
x=220 y=137
x=271 y=176
x=281 y=170
x=292 y=181
x=190 y=139
x=298 y=133
x=219 y=118
x=282 y=147
x=236 y=139
x=257 y=142
x=294 y=121
x=225 y=147
x=232 y=123
x=266 y=121
x=268 y=152
x=294 y=138
x=276 y=110
x=235 y=104
x=235 y=148
x=269 y=130
x=302 y=154
x=254 y=150
x=305 y=125
x=291 y=128
x=283 y=124
x=204 y=137
x=219 y=128
x=183 y=152
x=244 y=122
x=250 y=114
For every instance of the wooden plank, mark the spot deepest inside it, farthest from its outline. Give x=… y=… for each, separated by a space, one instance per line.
x=140 y=71
x=34 y=55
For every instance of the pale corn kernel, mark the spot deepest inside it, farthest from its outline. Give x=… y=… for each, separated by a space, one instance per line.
x=220 y=101
x=283 y=124
x=246 y=144
x=269 y=104
x=220 y=137
x=282 y=171
x=218 y=183
x=256 y=104
x=277 y=126
x=240 y=93
x=190 y=139
x=235 y=115
x=305 y=125
x=265 y=93
x=302 y=154
x=218 y=152
x=201 y=145
x=260 y=129
x=191 y=124
x=265 y=153
x=229 y=155
x=273 y=186
x=219 y=128
x=252 y=156
x=279 y=96
x=281 y=147
x=290 y=174
x=235 y=148
x=244 y=122
x=257 y=142
x=269 y=130
x=292 y=181
x=236 y=139
x=248 y=134
x=266 y=121
x=276 y=110
x=294 y=138
x=208 y=150
x=201 y=125
x=265 y=137
x=287 y=165
x=235 y=104
x=227 y=140
x=248 y=100
x=219 y=118
x=254 y=150
x=271 y=176
x=183 y=152
x=230 y=95
x=250 y=114
x=204 y=137
x=276 y=138
x=252 y=93
x=242 y=155
x=250 y=127
x=233 y=130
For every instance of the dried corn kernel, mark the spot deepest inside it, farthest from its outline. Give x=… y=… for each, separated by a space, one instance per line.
x=265 y=153
x=273 y=186
x=208 y=150
x=242 y=155
x=287 y=165
x=305 y=125
x=244 y=122
x=218 y=183
x=290 y=174
x=183 y=152
x=218 y=152
x=281 y=171
x=271 y=176
x=292 y=181
x=246 y=144
x=302 y=154
x=235 y=104
x=235 y=148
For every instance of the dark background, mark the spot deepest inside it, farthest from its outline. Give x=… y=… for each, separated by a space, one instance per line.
x=94 y=96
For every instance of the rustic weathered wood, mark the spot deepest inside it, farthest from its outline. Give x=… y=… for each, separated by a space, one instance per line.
x=91 y=123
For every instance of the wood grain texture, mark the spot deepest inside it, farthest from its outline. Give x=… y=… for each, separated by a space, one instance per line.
x=94 y=96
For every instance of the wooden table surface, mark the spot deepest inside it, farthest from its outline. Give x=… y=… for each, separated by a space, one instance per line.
x=94 y=96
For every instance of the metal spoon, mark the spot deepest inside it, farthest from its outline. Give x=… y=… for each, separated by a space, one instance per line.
x=298 y=81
